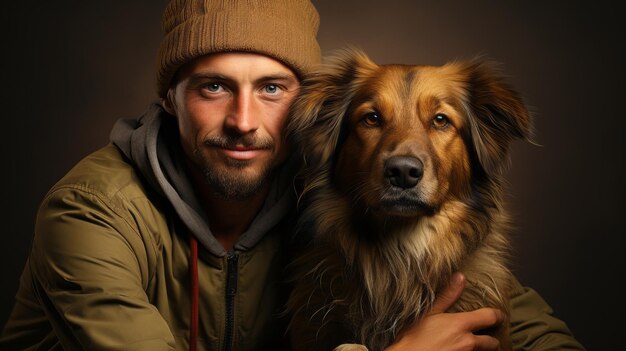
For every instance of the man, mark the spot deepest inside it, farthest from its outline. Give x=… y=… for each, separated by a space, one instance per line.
x=174 y=236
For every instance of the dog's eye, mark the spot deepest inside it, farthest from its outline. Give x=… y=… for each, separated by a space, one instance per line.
x=441 y=121
x=372 y=119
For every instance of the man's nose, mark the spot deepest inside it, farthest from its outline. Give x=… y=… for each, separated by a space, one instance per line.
x=243 y=116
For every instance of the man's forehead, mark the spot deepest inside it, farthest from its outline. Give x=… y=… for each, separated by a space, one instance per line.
x=237 y=65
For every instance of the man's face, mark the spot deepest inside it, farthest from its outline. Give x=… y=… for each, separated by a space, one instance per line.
x=231 y=108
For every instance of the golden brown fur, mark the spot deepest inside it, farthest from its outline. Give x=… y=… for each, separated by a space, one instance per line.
x=383 y=246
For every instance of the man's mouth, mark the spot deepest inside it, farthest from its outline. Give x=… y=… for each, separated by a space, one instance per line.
x=242 y=153
x=239 y=149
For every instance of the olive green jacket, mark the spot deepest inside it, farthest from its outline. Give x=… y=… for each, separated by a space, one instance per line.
x=109 y=267
x=109 y=271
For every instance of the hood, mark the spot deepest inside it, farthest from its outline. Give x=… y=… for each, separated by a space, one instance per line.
x=152 y=144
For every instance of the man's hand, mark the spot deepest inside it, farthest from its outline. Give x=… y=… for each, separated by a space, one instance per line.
x=441 y=331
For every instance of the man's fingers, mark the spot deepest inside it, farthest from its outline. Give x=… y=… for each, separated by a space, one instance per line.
x=486 y=343
x=450 y=294
x=483 y=318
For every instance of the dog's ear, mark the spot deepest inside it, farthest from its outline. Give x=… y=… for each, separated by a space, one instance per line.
x=497 y=114
x=316 y=116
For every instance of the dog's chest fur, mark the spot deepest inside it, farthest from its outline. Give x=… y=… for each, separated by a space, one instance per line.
x=366 y=291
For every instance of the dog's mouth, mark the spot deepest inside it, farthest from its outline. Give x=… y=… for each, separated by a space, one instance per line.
x=404 y=204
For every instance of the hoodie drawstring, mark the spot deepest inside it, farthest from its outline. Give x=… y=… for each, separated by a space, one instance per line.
x=193 y=272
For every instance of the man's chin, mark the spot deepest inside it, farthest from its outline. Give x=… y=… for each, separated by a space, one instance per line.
x=237 y=181
x=235 y=178
x=238 y=164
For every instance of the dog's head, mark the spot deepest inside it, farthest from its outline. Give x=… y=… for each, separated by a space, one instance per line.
x=402 y=139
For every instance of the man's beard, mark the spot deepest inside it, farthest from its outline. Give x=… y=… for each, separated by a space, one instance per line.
x=230 y=181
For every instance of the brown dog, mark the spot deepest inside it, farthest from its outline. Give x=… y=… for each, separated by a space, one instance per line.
x=402 y=184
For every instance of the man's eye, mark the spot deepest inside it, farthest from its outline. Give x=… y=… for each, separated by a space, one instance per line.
x=213 y=87
x=271 y=88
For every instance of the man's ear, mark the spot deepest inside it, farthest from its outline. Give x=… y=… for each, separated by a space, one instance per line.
x=168 y=102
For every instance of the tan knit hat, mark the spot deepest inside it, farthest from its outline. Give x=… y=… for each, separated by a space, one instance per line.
x=283 y=29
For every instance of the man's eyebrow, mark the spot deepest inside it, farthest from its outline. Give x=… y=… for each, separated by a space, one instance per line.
x=204 y=76
x=274 y=77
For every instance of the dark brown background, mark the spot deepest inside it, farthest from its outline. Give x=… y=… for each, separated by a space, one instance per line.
x=71 y=68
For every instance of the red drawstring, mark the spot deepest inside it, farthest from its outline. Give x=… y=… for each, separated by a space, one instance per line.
x=193 y=271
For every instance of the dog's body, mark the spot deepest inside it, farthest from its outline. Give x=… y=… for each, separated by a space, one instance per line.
x=402 y=187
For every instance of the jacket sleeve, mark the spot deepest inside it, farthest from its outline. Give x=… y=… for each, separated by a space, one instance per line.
x=90 y=271
x=533 y=327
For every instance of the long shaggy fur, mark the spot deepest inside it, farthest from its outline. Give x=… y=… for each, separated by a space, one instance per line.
x=377 y=260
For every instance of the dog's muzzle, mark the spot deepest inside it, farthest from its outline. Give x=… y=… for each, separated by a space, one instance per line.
x=402 y=197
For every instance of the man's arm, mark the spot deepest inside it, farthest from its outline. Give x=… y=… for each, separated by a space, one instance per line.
x=90 y=271
x=533 y=327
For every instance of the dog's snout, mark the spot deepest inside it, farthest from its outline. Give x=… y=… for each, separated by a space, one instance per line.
x=404 y=171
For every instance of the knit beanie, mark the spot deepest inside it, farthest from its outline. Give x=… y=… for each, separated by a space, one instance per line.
x=283 y=29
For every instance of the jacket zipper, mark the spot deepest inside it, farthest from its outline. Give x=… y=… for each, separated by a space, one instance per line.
x=231 y=291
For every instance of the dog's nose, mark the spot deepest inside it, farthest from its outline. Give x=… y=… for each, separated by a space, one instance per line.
x=404 y=171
